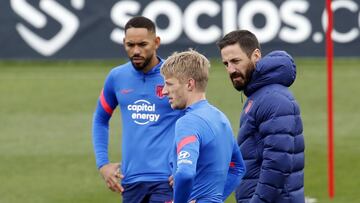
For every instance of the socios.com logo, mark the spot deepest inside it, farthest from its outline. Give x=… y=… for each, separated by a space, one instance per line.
x=143 y=112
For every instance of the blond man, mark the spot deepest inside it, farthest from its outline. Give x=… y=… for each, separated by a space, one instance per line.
x=207 y=161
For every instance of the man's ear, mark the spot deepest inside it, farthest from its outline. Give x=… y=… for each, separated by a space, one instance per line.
x=157 y=42
x=191 y=84
x=256 y=55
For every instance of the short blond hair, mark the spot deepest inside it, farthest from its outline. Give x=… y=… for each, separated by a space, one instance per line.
x=186 y=65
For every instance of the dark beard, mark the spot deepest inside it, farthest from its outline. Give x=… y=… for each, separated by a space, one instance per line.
x=142 y=67
x=246 y=77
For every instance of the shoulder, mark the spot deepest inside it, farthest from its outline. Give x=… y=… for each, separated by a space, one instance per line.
x=124 y=71
x=189 y=119
x=126 y=67
x=278 y=96
x=275 y=100
x=218 y=112
x=190 y=122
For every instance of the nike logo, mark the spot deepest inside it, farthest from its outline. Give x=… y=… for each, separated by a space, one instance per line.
x=126 y=91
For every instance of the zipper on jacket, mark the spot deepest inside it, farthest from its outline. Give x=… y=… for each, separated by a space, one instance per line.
x=143 y=91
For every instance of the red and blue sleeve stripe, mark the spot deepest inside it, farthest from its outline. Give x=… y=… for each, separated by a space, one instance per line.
x=185 y=141
x=105 y=104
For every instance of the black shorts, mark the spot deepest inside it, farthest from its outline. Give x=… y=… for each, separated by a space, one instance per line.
x=147 y=192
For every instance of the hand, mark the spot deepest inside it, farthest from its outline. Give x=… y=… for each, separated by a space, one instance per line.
x=192 y=201
x=112 y=176
x=171 y=181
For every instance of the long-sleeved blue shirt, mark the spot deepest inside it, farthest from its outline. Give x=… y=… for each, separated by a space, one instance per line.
x=208 y=162
x=148 y=123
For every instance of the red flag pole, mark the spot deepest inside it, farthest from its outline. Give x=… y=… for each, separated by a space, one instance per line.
x=329 y=55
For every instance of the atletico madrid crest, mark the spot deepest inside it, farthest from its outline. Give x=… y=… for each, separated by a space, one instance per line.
x=248 y=106
x=158 y=90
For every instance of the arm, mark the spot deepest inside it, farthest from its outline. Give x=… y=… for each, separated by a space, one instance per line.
x=100 y=134
x=106 y=104
x=278 y=124
x=187 y=155
x=236 y=172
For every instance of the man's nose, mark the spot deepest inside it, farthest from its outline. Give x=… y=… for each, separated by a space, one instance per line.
x=230 y=68
x=164 y=91
x=137 y=50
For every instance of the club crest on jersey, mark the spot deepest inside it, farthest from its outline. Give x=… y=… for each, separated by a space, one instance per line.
x=158 y=91
x=248 y=106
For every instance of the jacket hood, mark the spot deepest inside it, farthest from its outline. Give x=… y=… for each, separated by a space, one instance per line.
x=277 y=67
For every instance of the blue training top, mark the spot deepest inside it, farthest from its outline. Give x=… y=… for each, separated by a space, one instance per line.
x=209 y=164
x=148 y=123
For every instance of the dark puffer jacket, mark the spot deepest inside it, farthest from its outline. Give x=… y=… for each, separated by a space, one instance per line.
x=270 y=135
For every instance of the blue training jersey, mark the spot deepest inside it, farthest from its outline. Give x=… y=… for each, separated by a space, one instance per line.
x=208 y=162
x=148 y=123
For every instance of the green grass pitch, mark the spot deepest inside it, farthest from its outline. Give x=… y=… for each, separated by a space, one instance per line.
x=46 y=111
